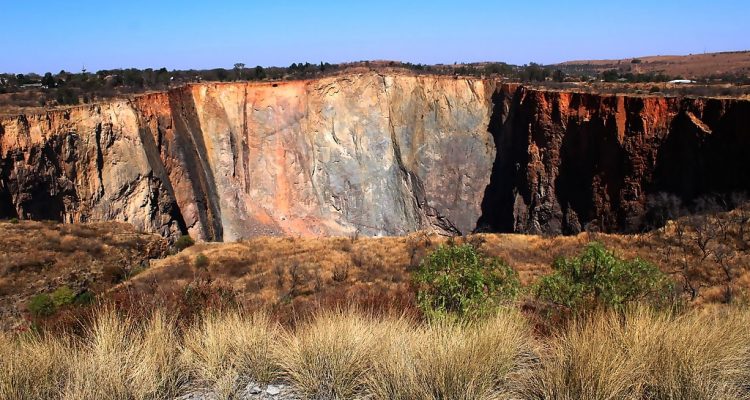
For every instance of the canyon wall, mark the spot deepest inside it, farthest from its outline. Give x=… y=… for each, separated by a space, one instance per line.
x=367 y=154
x=370 y=154
x=573 y=161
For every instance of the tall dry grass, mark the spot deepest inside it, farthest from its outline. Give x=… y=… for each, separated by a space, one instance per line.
x=121 y=359
x=647 y=355
x=642 y=354
x=341 y=355
x=331 y=356
x=451 y=359
x=33 y=367
x=224 y=352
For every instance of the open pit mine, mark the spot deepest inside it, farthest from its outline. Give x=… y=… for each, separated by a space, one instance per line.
x=370 y=154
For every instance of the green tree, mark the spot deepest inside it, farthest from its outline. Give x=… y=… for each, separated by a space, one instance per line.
x=63 y=296
x=558 y=76
x=238 y=68
x=459 y=280
x=48 y=80
x=598 y=278
x=183 y=242
x=610 y=75
x=260 y=72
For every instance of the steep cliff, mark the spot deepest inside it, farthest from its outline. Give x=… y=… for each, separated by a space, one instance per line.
x=378 y=155
x=570 y=161
x=369 y=153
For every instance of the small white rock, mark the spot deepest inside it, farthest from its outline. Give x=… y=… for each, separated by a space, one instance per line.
x=273 y=390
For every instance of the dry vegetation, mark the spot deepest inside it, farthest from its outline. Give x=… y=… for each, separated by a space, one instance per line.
x=220 y=317
x=342 y=355
x=707 y=256
x=40 y=257
x=694 y=65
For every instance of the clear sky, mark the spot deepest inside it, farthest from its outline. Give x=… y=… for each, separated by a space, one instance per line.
x=46 y=35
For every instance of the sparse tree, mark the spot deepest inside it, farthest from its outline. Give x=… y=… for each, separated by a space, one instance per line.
x=723 y=256
x=558 y=76
x=705 y=233
x=238 y=68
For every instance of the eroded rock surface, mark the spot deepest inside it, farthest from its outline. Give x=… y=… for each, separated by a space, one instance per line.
x=369 y=153
x=572 y=161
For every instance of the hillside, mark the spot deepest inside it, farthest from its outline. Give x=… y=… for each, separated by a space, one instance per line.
x=691 y=66
x=706 y=256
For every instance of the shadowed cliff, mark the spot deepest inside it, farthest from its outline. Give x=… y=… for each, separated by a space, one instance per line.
x=573 y=161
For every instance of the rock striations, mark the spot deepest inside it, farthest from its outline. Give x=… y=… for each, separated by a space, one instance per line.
x=370 y=154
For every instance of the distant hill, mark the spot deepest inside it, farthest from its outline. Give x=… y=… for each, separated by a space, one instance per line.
x=690 y=66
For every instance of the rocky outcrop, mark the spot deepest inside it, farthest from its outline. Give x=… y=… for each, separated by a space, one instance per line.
x=573 y=161
x=378 y=155
x=370 y=154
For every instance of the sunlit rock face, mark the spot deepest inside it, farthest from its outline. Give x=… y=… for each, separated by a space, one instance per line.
x=369 y=154
x=373 y=154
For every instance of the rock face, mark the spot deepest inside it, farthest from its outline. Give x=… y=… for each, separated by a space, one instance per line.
x=368 y=153
x=570 y=161
x=378 y=155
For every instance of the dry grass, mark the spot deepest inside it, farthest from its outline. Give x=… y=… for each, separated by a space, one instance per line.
x=450 y=359
x=330 y=357
x=120 y=359
x=647 y=355
x=642 y=354
x=33 y=367
x=227 y=351
x=37 y=257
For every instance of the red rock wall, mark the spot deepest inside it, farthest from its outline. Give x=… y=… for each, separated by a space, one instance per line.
x=571 y=161
x=374 y=154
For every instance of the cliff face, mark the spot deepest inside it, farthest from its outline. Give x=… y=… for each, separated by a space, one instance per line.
x=381 y=155
x=378 y=155
x=570 y=161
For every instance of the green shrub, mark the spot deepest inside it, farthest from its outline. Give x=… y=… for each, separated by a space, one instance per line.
x=654 y=89
x=85 y=298
x=13 y=220
x=183 y=242
x=42 y=305
x=63 y=296
x=598 y=278
x=202 y=261
x=461 y=281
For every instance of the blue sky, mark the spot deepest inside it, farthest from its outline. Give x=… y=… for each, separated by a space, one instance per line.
x=40 y=36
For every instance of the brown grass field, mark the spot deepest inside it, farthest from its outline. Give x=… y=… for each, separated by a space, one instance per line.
x=640 y=354
x=689 y=66
x=335 y=318
x=707 y=256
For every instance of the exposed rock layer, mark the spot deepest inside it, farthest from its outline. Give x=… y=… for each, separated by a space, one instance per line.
x=378 y=155
x=570 y=161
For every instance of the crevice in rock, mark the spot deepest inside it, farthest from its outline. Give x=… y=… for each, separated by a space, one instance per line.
x=511 y=152
x=189 y=137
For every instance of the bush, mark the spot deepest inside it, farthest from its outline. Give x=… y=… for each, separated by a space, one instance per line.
x=13 y=220
x=42 y=305
x=460 y=280
x=63 y=296
x=183 y=242
x=597 y=277
x=654 y=89
x=85 y=298
x=202 y=261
